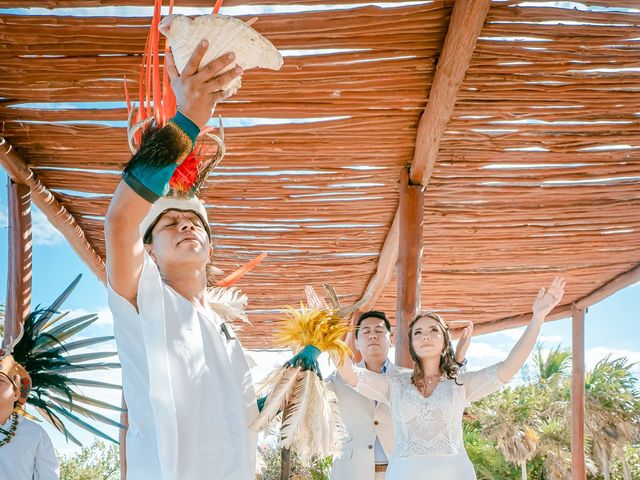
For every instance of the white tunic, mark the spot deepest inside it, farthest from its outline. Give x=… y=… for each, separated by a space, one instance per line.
x=29 y=455
x=428 y=431
x=187 y=386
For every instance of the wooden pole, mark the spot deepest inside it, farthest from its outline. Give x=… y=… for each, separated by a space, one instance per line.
x=577 y=398
x=467 y=20
x=409 y=269
x=20 y=258
x=55 y=212
x=285 y=453
x=386 y=265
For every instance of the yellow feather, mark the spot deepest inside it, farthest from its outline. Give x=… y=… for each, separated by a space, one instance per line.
x=308 y=326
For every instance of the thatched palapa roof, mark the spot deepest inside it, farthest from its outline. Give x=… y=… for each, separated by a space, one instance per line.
x=531 y=164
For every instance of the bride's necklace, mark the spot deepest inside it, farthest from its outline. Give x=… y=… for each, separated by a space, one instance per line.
x=427 y=384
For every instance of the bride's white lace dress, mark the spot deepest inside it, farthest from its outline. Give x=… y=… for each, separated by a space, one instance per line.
x=428 y=431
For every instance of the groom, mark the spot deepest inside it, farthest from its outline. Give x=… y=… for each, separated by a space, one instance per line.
x=185 y=378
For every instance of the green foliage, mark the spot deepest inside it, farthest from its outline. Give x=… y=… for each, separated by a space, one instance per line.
x=531 y=423
x=485 y=455
x=97 y=462
x=271 y=456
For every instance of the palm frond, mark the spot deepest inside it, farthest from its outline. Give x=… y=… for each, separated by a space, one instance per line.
x=79 y=422
x=62 y=332
x=44 y=353
x=53 y=419
x=82 y=382
x=53 y=308
x=53 y=321
x=87 y=342
x=86 y=367
x=86 y=412
x=85 y=357
x=76 y=397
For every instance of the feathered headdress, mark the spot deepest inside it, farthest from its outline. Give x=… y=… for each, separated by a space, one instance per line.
x=41 y=359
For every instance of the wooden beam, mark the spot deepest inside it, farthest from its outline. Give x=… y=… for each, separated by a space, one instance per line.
x=577 y=397
x=564 y=311
x=55 y=212
x=612 y=286
x=20 y=258
x=561 y=311
x=386 y=265
x=409 y=271
x=467 y=19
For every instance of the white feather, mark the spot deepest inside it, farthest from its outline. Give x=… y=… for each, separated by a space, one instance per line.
x=283 y=381
x=296 y=410
x=229 y=303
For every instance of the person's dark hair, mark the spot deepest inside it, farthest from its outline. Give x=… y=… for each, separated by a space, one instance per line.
x=372 y=314
x=448 y=363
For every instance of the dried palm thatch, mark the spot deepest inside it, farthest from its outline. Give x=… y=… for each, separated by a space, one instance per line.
x=537 y=167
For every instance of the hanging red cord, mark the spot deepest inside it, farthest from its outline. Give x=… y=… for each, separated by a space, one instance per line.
x=216 y=9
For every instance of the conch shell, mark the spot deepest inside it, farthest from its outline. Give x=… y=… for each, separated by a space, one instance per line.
x=224 y=34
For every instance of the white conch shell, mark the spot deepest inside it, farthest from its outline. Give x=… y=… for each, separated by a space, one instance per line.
x=224 y=34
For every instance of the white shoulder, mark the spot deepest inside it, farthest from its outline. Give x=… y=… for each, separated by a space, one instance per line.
x=30 y=427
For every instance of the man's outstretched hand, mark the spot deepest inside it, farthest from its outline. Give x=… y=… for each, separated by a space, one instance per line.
x=198 y=91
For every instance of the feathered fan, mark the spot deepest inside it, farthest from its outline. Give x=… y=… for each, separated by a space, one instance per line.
x=310 y=418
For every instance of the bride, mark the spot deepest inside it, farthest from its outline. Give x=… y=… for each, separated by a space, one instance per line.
x=427 y=402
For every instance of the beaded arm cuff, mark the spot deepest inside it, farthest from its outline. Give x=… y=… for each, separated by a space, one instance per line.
x=149 y=171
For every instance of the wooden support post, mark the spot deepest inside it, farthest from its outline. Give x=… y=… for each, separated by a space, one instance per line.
x=409 y=263
x=20 y=258
x=55 y=212
x=577 y=398
x=467 y=20
x=285 y=453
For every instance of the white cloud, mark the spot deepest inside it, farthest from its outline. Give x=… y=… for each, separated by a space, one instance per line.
x=595 y=354
x=105 y=318
x=512 y=334
x=43 y=233
x=482 y=353
x=552 y=339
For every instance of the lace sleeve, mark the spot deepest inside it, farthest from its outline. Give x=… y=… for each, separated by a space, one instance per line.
x=372 y=385
x=480 y=383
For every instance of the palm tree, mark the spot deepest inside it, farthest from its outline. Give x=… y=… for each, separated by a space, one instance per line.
x=552 y=367
x=511 y=420
x=611 y=402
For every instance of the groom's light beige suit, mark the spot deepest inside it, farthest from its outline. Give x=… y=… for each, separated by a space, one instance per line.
x=364 y=420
